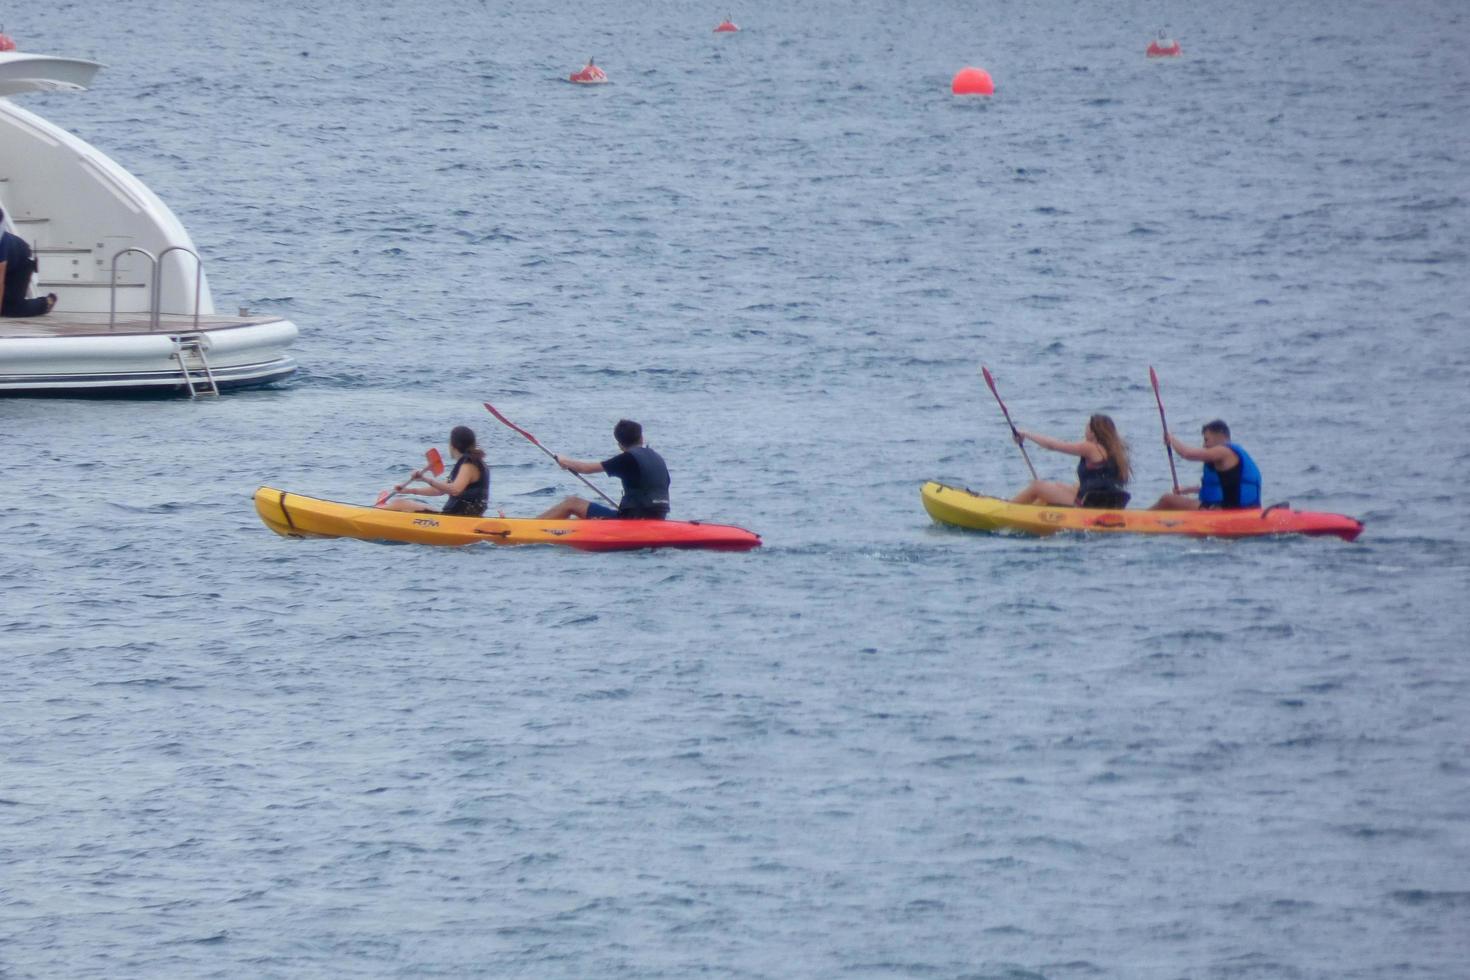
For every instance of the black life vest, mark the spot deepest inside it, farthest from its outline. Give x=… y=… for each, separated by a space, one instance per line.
x=647 y=496
x=476 y=496
x=1102 y=481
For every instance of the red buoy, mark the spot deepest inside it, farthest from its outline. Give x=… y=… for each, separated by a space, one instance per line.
x=727 y=26
x=590 y=75
x=1164 y=48
x=6 y=44
x=972 y=81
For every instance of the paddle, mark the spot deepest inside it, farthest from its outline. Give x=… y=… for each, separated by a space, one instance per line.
x=435 y=466
x=1014 y=432
x=537 y=443
x=1169 y=446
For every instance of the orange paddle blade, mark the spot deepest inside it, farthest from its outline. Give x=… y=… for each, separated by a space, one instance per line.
x=436 y=462
x=383 y=498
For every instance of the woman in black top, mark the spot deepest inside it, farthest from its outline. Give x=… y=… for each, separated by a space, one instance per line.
x=468 y=486
x=1101 y=474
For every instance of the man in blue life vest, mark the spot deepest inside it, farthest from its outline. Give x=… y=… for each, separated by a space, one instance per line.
x=644 y=475
x=1230 y=480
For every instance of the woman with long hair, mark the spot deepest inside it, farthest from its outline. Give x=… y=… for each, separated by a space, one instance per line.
x=1102 y=472
x=468 y=486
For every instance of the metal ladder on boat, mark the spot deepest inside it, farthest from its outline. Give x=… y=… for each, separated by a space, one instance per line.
x=189 y=344
x=194 y=344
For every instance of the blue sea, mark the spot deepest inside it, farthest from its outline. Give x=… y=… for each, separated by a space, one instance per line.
x=875 y=747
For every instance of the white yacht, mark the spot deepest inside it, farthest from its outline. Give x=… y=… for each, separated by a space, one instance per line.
x=134 y=314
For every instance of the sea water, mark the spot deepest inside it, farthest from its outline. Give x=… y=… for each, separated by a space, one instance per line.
x=875 y=747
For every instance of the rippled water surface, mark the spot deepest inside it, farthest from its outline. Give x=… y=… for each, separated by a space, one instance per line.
x=875 y=747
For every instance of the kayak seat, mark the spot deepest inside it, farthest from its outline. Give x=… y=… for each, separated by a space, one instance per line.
x=1105 y=499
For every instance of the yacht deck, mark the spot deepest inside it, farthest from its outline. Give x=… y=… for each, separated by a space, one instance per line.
x=96 y=325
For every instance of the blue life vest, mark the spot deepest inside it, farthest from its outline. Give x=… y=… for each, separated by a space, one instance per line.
x=1237 y=487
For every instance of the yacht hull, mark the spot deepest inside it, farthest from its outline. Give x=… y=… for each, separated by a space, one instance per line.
x=117 y=364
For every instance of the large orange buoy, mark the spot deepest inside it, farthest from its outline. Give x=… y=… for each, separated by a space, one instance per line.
x=972 y=81
x=590 y=75
x=727 y=26
x=6 y=44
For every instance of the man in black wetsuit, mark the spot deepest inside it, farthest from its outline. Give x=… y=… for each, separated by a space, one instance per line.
x=16 y=265
x=644 y=475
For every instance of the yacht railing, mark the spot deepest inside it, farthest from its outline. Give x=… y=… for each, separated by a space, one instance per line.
x=112 y=286
x=158 y=283
x=155 y=304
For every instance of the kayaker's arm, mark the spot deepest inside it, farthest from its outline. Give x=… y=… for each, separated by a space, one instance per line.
x=578 y=465
x=1086 y=450
x=460 y=484
x=408 y=486
x=1202 y=454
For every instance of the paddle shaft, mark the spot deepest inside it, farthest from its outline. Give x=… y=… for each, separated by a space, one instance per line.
x=393 y=493
x=537 y=443
x=1014 y=431
x=1168 y=446
x=431 y=460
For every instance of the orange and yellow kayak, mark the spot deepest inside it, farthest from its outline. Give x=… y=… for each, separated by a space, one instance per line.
x=295 y=516
x=960 y=507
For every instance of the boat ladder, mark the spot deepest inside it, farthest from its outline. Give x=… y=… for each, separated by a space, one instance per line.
x=192 y=345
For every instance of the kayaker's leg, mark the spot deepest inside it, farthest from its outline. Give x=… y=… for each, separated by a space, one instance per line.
x=1176 y=501
x=1044 y=492
x=569 y=507
x=407 y=506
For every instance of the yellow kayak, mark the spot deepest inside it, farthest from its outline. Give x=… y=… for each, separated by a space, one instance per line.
x=965 y=508
x=295 y=516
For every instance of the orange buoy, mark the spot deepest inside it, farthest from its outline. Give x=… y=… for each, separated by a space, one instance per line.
x=727 y=26
x=6 y=44
x=590 y=75
x=972 y=81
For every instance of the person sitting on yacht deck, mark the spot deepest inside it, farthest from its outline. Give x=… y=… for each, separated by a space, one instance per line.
x=1102 y=472
x=468 y=486
x=16 y=265
x=644 y=475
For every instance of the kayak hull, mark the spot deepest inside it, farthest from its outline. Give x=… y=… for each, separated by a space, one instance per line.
x=295 y=516
x=964 y=508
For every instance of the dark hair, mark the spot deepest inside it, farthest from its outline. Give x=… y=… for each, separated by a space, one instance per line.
x=1106 y=434
x=1217 y=426
x=628 y=433
x=463 y=438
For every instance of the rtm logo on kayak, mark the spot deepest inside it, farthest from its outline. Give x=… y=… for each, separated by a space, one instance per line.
x=1050 y=516
x=425 y=522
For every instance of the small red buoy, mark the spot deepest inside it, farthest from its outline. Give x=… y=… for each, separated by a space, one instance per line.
x=1164 y=47
x=6 y=44
x=972 y=81
x=590 y=75
x=727 y=26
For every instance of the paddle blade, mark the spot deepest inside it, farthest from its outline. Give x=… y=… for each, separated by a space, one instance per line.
x=383 y=498
x=492 y=410
x=989 y=380
x=436 y=462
